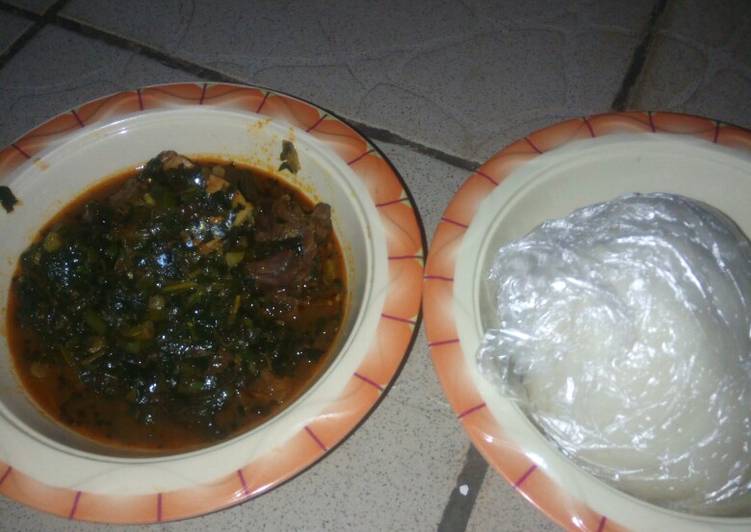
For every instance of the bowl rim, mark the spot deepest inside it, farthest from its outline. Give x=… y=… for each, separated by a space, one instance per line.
x=524 y=470
x=398 y=316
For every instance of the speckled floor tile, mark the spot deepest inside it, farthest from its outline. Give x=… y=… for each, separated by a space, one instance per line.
x=11 y=27
x=700 y=62
x=37 y=6
x=500 y=507
x=465 y=77
x=17 y=518
x=59 y=69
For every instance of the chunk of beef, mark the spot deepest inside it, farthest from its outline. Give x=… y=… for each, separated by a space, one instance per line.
x=130 y=189
x=285 y=220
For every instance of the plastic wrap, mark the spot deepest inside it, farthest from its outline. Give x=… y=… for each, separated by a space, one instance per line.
x=624 y=333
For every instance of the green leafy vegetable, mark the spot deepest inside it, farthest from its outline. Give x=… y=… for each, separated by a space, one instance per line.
x=189 y=302
x=7 y=199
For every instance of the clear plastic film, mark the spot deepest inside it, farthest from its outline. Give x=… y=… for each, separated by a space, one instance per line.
x=624 y=333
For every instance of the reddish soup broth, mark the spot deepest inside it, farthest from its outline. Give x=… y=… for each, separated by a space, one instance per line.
x=177 y=305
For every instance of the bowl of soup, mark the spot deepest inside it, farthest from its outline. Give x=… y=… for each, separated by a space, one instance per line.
x=192 y=280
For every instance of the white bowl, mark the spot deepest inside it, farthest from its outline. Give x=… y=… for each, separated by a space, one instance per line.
x=540 y=184
x=53 y=468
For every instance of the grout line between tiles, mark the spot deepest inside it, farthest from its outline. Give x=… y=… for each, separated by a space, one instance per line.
x=20 y=42
x=20 y=11
x=384 y=135
x=39 y=22
x=164 y=58
x=622 y=99
x=51 y=16
x=459 y=507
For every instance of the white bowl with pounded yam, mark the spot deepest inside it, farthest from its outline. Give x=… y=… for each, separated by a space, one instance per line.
x=549 y=186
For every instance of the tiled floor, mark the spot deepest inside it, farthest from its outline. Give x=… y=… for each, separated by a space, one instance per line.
x=701 y=62
x=439 y=86
x=468 y=74
x=11 y=28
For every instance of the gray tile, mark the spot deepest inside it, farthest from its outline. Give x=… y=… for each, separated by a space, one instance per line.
x=17 y=518
x=58 y=70
x=459 y=92
x=465 y=77
x=715 y=24
x=499 y=507
x=37 y=6
x=11 y=28
x=700 y=62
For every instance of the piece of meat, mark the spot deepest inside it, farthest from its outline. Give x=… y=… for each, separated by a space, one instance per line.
x=286 y=267
x=171 y=160
x=285 y=220
x=321 y=218
x=271 y=387
x=122 y=198
x=287 y=211
x=274 y=270
x=279 y=306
